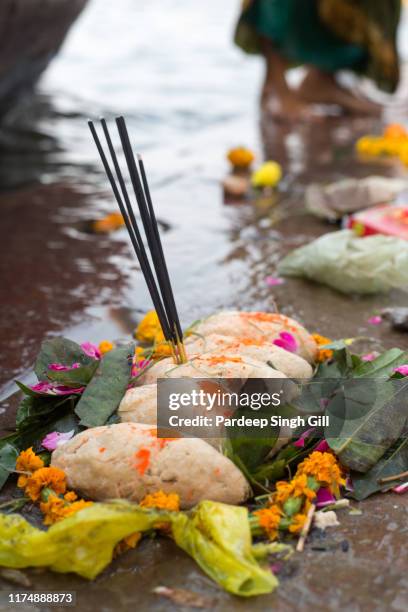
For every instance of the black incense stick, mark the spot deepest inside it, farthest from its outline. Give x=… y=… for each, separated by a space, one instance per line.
x=162 y=295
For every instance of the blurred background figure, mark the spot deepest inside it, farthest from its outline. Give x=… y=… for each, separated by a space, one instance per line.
x=326 y=36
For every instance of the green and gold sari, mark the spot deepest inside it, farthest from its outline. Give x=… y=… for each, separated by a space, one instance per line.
x=358 y=35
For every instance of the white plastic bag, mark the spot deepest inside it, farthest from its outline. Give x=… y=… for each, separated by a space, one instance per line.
x=351 y=264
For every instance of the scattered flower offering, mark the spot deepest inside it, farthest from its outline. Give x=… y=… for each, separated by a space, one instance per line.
x=59 y=367
x=403 y=370
x=55 y=439
x=149 y=328
x=400 y=489
x=287 y=341
x=47 y=486
x=274 y=281
x=393 y=142
x=149 y=332
x=240 y=157
x=267 y=175
x=289 y=505
x=55 y=389
x=375 y=320
x=370 y=356
x=110 y=223
x=105 y=346
x=323 y=354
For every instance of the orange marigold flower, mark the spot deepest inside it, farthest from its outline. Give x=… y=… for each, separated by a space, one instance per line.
x=51 y=477
x=76 y=506
x=297 y=523
x=70 y=496
x=162 y=501
x=53 y=509
x=139 y=352
x=322 y=354
x=162 y=349
x=149 y=329
x=27 y=461
x=300 y=487
x=131 y=541
x=395 y=131
x=283 y=491
x=269 y=519
x=111 y=222
x=325 y=469
x=56 y=509
x=105 y=346
x=240 y=157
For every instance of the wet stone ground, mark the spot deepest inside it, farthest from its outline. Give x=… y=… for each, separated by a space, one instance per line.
x=56 y=278
x=82 y=290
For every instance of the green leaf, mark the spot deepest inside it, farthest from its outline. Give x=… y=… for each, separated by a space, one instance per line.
x=8 y=456
x=384 y=365
x=106 y=389
x=36 y=421
x=59 y=350
x=34 y=411
x=366 y=417
x=395 y=461
x=341 y=365
x=268 y=473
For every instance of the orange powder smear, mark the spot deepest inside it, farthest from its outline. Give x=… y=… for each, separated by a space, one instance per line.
x=252 y=342
x=266 y=317
x=216 y=360
x=102 y=449
x=143 y=457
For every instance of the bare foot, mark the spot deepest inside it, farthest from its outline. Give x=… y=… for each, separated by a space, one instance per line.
x=286 y=107
x=322 y=88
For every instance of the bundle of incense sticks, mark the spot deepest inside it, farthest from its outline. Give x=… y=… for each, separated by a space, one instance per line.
x=159 y=284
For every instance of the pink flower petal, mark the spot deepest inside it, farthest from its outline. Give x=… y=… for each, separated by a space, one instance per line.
x=52 y=389
x=42 y=387
x=91 y=350
x=324 y=498
x=370 y=356
x=402 y=370
x=63 y=390
x=349 y=484
x=55 y=439
x=300 y=443
x=274 y=281
x=322 y=447
x=59 y=367
x=287 y=342
x=138 y=366
x=402 y=488
x=375 y=320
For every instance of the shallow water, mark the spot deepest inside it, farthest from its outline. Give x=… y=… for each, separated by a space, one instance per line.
x=188 y=95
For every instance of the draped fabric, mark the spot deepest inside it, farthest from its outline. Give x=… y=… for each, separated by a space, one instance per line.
x=358 y=35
